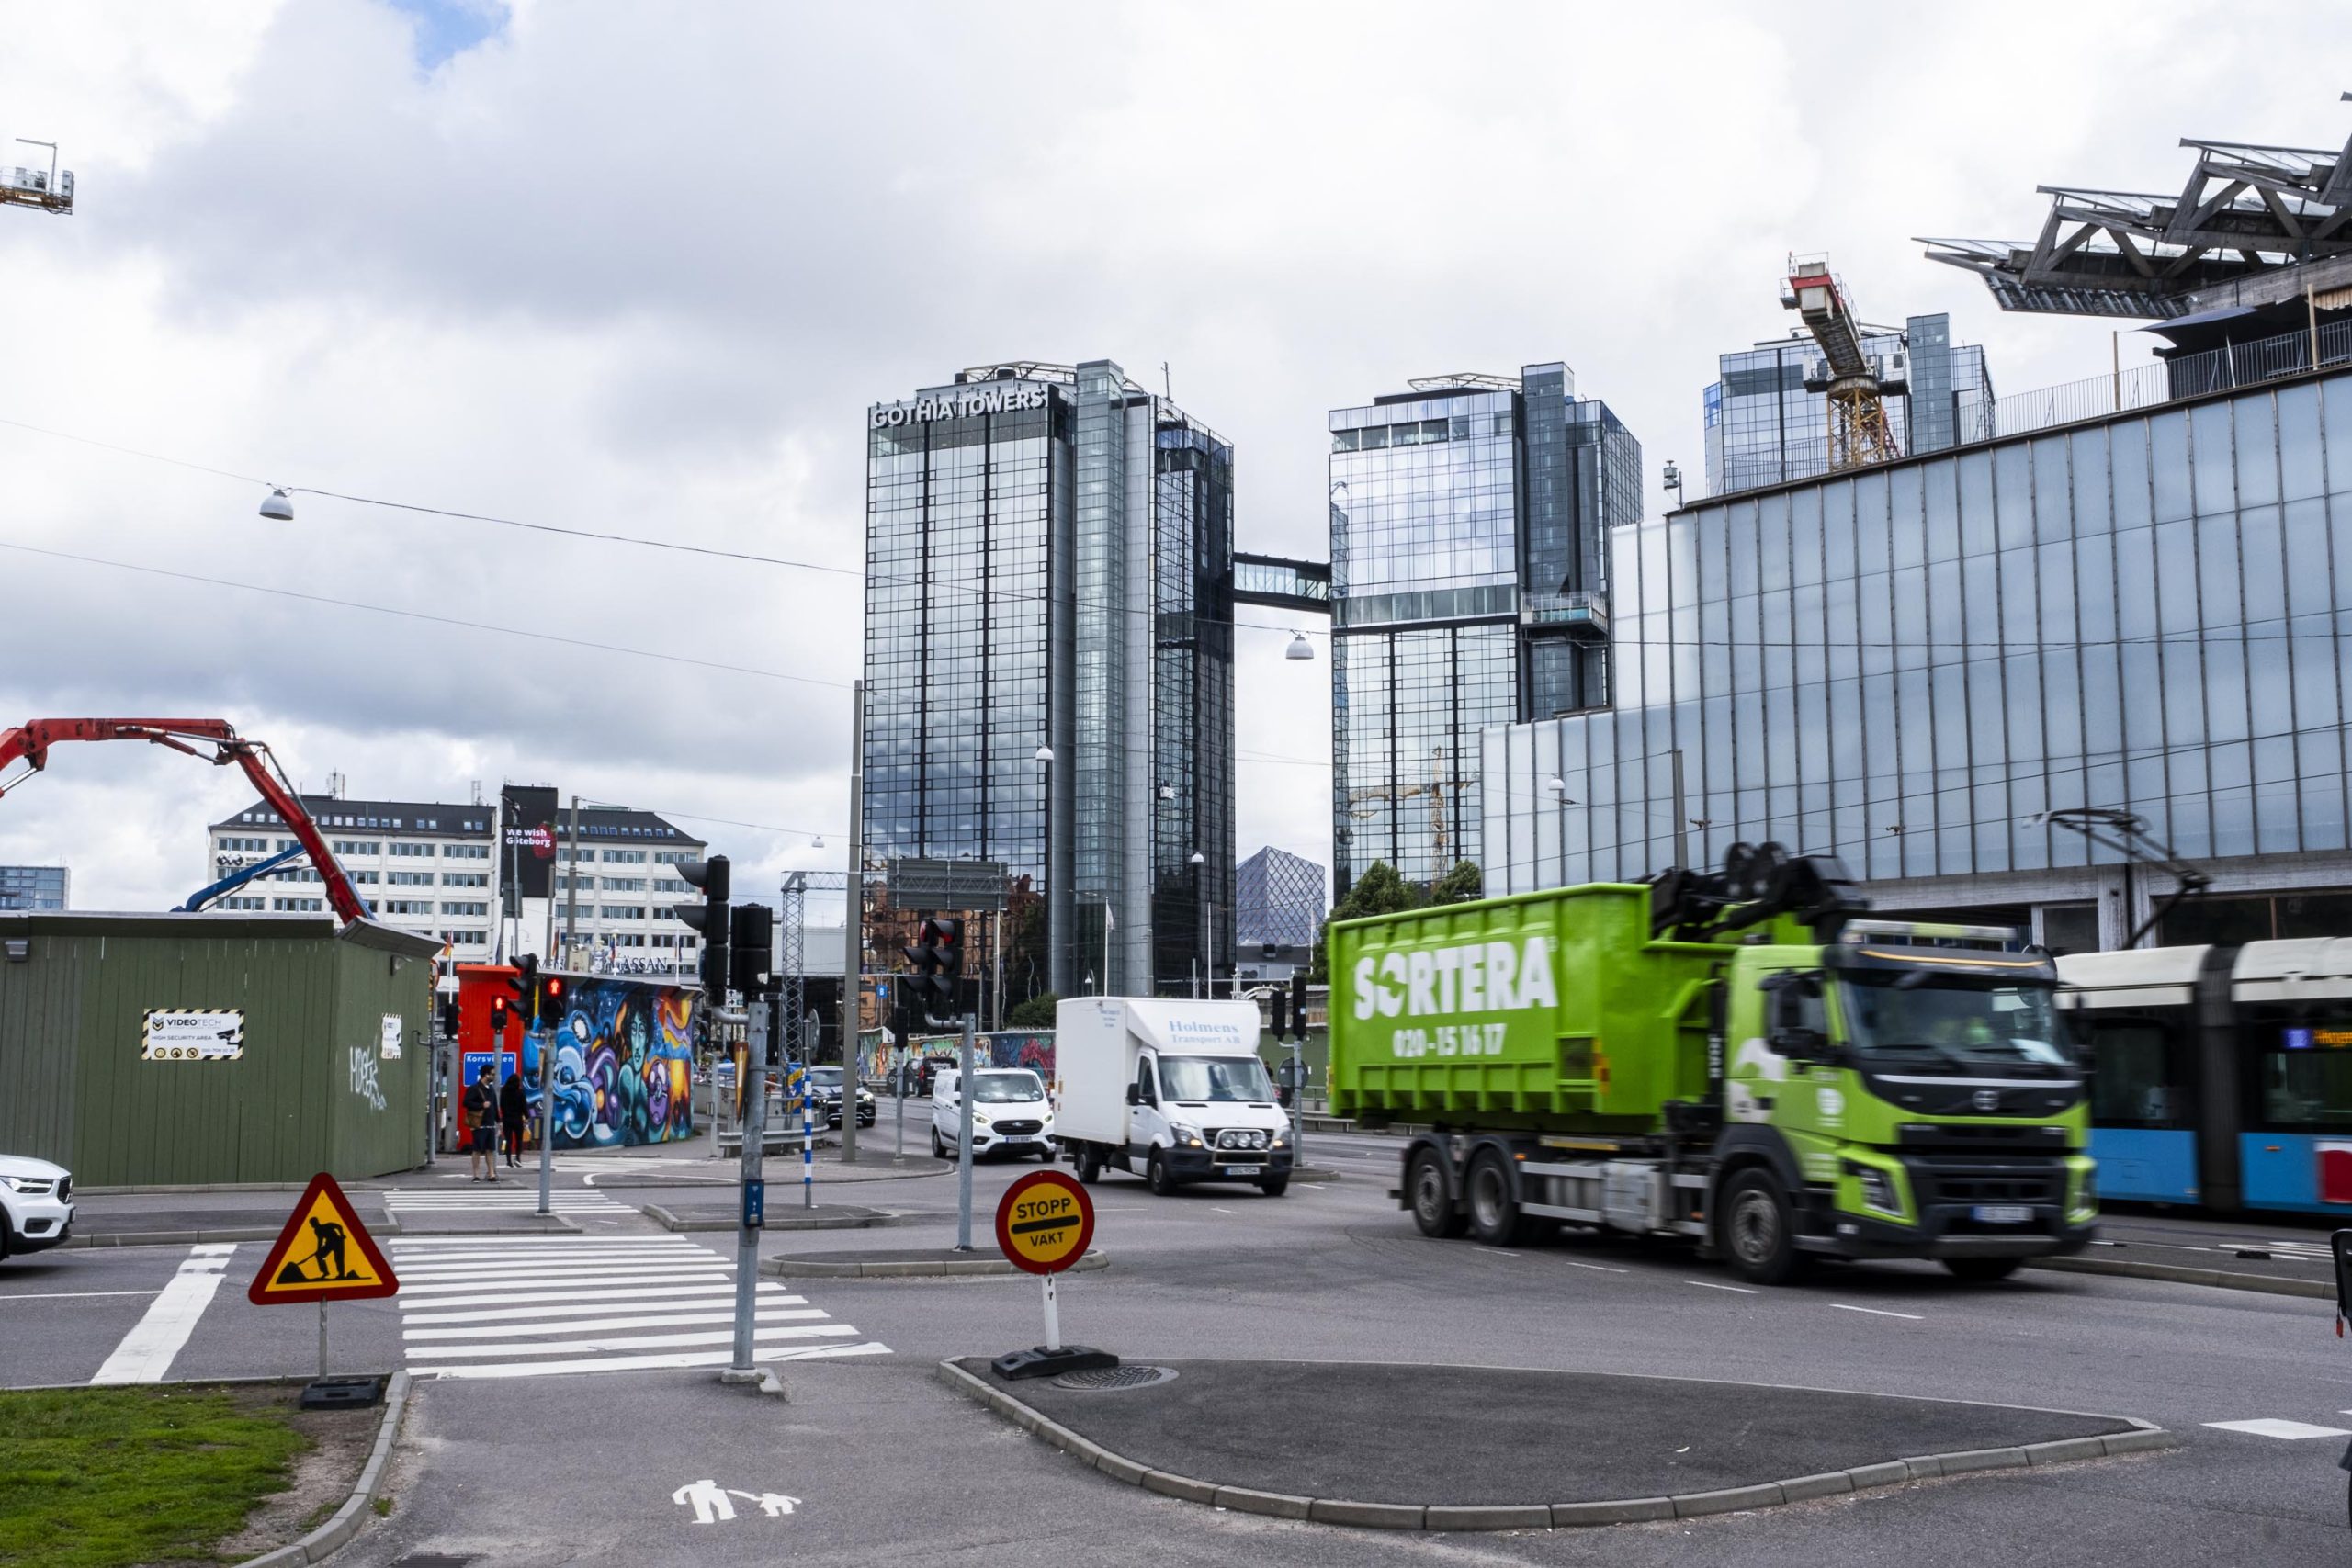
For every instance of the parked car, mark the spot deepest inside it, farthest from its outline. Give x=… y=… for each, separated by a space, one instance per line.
x=825 y=1083
x=1010 y=1113
x=36 y=1204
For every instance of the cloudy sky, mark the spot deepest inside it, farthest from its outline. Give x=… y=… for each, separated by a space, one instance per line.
x=638 y=268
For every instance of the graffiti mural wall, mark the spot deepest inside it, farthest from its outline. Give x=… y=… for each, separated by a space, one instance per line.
x=623 y=1056
x=1008 y=1048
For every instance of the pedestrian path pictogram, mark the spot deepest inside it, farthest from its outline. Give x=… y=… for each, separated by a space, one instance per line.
x=323 y=1253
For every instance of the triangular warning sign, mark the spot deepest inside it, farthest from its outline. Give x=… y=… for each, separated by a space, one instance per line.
x=323 y=1253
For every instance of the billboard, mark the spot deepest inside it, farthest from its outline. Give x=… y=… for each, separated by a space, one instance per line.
x=527 y=838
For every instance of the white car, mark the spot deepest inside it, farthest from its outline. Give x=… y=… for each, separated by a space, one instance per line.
x=36 y=1204
x=1010 y=1113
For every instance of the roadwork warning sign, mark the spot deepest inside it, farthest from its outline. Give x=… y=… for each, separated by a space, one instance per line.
x=324 y=1254
x=1044 y=1221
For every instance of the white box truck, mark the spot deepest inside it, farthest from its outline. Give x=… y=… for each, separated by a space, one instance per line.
x=1170 y=1090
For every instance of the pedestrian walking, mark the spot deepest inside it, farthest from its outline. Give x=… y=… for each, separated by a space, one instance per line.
x=512 y=1108
x=481 y=1126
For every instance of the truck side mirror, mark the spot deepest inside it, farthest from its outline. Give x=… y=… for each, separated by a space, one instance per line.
x=1135 y=1095
x=2341 y=1245
x=1804 y=1045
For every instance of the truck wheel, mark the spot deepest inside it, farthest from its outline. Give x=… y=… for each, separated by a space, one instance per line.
x=1981 y=1270
x=1756 y=1231
x=1494 y=1212
x=1090 y=1167
x=1433 y=1208
x=1155 y=1171
x=1274 y=1186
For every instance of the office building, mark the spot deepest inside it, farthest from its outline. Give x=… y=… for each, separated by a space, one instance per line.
x=1049 y=560
x=35 y=887
x=1278 y=912
x=1763 y=427
x=1910 y=664
x=1470 y=519
x=489 y=880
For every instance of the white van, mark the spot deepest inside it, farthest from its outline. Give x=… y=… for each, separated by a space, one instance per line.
x=1171 y=1091
x=1008 y=1112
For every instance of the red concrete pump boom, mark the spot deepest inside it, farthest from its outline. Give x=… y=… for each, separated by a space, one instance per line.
x=31 y=743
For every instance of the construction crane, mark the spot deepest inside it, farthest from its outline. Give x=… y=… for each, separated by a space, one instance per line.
x=1856 y=380
x=31 y=743
x=1363 y=803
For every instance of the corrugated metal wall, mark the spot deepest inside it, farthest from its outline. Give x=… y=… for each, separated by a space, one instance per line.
x=311 y=1091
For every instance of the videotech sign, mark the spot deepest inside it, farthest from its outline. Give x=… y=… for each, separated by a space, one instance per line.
x=1008 y=397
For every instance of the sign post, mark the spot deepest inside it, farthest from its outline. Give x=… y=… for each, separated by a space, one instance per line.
x=324 y=1254
x=1043 y=1225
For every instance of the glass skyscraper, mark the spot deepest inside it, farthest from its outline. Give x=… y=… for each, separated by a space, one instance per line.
x=1908 y=665
x=1762 y=427
x=1469 y=587
x=1049 y=564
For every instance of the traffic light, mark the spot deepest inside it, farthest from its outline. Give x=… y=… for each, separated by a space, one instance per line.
x=1298 y=1004
x=937 y=957
x=497 y=1018
x=709 y=917
x=522 y=983
x=753 y=934
x=550 y=1006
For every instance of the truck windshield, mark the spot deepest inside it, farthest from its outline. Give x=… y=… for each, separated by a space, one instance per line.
x=1201 y=1078
x=1963 y=1025
x=1006 y=1088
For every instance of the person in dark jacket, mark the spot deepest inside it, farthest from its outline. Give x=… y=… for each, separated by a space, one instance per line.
x=479 y=1108
x=512 y=1109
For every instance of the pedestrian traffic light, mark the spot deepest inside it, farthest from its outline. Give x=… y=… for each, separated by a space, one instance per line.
x=753 y=934
x=1298 y=1004
x=551 y=991
x=497 y=1017
x=1276 y=1001
x=709 y=917
x=937 y=957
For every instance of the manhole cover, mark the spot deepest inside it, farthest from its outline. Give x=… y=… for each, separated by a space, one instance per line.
x=1104 y=1380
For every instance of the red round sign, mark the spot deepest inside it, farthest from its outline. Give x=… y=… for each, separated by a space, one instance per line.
x=1044 y=1222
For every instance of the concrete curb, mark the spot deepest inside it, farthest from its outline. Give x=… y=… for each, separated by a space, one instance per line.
x=167 y=1238
x=2179 y=1274
x=336 y=1533
x=910 y=1268
x=844 y=1218
x=167 y=1191
x=2144 y=1435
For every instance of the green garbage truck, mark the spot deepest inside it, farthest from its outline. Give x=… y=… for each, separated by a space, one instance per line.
x=1738 y=1057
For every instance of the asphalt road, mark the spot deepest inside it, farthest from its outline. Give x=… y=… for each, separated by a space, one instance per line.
x=885 y=1466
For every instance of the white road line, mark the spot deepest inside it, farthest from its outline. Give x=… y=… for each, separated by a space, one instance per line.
x=692 y=1300
x=146 y=1353
x=554 y=1268
x=1603 y=1268
x=634 y=1341
x=527 y=1239
x=1710 y=1285
x=1214 y=1206
x=599 y=1324
x=558 y=1285
x=1879 y=1312
x=649 y=1363
x=2268 y=1428
x=1498 y=1251
x=500 y=1295
x=64 y=1295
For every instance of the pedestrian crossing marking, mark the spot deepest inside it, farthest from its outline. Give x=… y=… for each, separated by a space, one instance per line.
x=2268 y=1426
x=471 y=1308
x=323 y=1253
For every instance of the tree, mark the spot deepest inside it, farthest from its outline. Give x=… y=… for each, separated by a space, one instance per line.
x=1459 y=885
x=1037 y=1012
x=1379 y=891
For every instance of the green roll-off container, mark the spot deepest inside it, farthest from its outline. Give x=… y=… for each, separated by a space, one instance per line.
x=1554 y=1010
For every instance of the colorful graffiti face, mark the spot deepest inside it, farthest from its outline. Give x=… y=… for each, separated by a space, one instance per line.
x=623 y=1056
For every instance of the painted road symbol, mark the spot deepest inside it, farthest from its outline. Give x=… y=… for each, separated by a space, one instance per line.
x=323 y=1253
x=1044 y=1222
x=709 y=1501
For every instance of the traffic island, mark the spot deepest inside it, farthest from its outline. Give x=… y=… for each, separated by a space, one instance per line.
x=716 y=1217
x=1402 y=1447
x=901 y=1263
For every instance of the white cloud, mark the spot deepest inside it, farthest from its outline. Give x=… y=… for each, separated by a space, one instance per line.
x=638 y=269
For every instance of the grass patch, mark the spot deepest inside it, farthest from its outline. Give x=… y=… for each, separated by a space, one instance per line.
x=114 y=1477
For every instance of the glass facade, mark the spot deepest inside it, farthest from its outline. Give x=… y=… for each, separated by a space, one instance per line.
x=1469 y=587
x=33 y=886
x=1280 y=900
x=1909 y=665
x=1049 y=564
x=1763 y=428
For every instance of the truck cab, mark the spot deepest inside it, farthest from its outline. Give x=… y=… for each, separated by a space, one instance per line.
x=1173 y=1091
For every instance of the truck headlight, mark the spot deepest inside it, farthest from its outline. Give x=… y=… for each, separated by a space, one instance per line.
x=1878 y=1190
x=1278 y=1137
x=2086 y=1195
x=1187 y=1136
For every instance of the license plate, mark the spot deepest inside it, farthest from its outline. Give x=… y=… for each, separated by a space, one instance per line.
x=1243 y=1169
x=2002 y=1214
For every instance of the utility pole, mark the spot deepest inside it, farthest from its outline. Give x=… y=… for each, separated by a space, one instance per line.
x=755 y=1188
x=854 y=924
x=964 y=1088
x=1681 y=815
x=571 y=895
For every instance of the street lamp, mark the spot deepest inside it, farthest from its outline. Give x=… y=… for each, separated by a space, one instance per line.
x=1559 y=786
x=277 y=506
x=1208 y=959
x=1299 y=647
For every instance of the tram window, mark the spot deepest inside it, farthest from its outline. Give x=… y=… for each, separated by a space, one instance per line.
x=2223 y=922
x=2304 y=1071
x=2315 y=914
x=2136 y=1080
